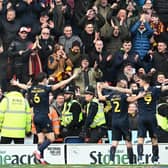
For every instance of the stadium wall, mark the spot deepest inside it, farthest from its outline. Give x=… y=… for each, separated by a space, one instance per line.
x=75 y=154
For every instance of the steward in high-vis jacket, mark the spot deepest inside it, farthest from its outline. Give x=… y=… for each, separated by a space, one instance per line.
x=95 y=118
x=71 y=114
x=162 y=120
x=15 y=118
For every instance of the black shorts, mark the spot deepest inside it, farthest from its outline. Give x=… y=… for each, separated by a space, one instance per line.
x=43 y=124
x=147 y=124
x=121 y=132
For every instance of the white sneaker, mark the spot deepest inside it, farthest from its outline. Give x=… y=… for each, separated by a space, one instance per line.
x=156 y=163
x=155 y=159
x=140 y=160
x=111 y=162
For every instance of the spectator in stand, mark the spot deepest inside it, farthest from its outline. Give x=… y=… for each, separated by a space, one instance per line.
x=160 y=58
x=113 y=41
x=58 y=103
x=126 y=55
x=161 y=7
x=71 y=114
x=45 y=46
x=3 y=67
x=19 y=52
x=9 y=26
x=157 y=27
x=94 y=17
x=103 y=59
x=132 y=9
x=87 y=75
x=2 y=8
x=140 y=2
x=148 y=7
x=127 y=73
x=80 y=9
x=15 y=118
x=68 y=38
x=121 y=20
x=46 y=22
x=103 y=8
x=141 y=34
x=75 y=54
x=161 y=80
x=61 y=15
x=89 y=37
x=58 y=62
x=28 y=12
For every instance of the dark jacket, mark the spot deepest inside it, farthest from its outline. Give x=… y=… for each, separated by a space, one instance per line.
x=46 y=49
x=81 y=8
x=161 y=7
x=16 y=46
x=9 y=30
x=160 y=62
x=98 y=21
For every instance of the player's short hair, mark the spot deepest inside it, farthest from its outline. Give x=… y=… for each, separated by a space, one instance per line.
x=145 y=78
x=41 y=76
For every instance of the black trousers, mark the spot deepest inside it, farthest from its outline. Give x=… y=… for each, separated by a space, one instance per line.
x=96 y=134
x=7 y=140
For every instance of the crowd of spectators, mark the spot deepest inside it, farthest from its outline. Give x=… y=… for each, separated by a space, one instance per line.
x=102 y=40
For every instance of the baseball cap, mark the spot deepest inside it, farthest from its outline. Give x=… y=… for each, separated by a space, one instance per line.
x=24 y=29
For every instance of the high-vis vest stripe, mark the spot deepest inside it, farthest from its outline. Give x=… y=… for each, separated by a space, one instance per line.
x=67 y=116
x=99 y=119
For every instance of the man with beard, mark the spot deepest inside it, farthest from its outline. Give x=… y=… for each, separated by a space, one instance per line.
x=71 y=114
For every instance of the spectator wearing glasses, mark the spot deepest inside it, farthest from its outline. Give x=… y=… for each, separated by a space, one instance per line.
x=45 y=45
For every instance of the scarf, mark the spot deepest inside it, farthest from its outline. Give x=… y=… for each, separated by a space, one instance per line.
x=34 y=64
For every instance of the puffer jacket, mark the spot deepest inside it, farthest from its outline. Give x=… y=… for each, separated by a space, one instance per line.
x=141 y=40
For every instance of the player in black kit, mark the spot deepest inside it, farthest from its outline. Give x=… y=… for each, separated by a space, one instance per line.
x=120 y=119
x=147 y=97
x=39 y=96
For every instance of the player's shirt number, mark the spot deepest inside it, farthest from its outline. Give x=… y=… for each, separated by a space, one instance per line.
x=116 y=106
x=36 y=98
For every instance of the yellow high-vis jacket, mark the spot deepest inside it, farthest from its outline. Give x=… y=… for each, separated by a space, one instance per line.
x=15 y=116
